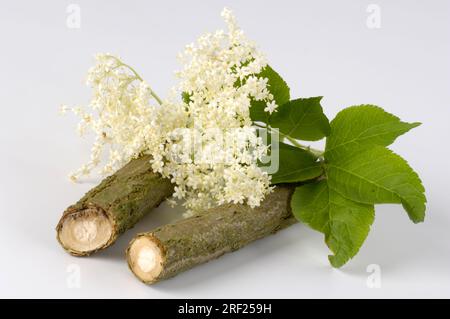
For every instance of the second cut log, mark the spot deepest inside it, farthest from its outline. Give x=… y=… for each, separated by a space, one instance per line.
x=174 y=248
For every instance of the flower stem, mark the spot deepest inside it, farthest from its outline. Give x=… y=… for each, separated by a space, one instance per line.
x=152 y=93
x=317 y=153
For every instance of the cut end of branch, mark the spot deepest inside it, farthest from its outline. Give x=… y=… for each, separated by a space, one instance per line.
x=83 y=232
x=145 y=258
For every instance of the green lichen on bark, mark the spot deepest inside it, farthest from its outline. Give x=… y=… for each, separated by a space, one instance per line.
x=227 y=228
x=124 y=197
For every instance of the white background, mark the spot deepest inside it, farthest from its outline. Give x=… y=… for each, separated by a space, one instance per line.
x=320 y=48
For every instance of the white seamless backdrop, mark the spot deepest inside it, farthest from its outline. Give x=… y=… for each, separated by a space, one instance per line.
x=337 y=49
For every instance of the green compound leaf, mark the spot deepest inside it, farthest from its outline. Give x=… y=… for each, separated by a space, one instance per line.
x=344 y=223
x=279 y=89
x=295 y=165
x=359 y=166
x=360 y=172
x=302 y=119
x=378 y=176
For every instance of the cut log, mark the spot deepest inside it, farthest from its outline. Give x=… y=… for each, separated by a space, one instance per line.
x=112 y=207
x=174 y=248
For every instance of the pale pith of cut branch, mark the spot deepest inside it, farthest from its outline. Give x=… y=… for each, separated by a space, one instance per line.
x=174 y=248
x=112 y=207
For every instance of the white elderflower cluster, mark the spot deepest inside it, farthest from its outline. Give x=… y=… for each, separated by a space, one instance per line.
x=220 y=77
x=214 y=166
x=219 y=80
x=206 y=143
x=120 y=115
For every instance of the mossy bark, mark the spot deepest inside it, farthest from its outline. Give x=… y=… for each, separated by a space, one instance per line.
x=201 y=238
x=124 y=198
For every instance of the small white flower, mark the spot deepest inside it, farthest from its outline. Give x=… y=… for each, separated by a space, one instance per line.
x=73 y=177
x=270 y=107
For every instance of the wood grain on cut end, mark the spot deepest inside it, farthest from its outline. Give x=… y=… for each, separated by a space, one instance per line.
x=145 y=258
x=85 y=231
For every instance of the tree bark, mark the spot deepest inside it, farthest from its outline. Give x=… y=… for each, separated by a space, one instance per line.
x=174 y=248
x=111 y=208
